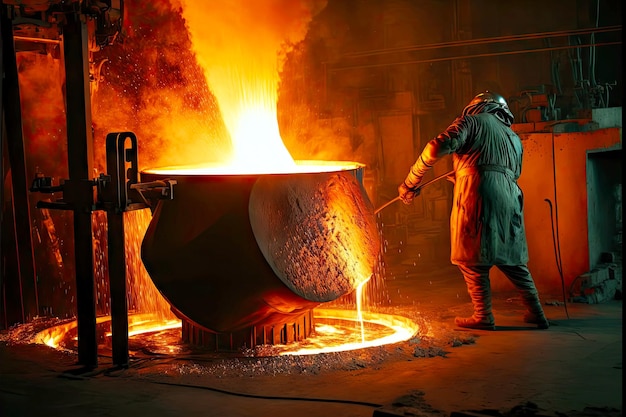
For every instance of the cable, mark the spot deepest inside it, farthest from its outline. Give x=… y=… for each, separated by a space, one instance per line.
x=267 y=397
x=557 y=256
x=555 y=230
x=109 y=372
x=592 y=49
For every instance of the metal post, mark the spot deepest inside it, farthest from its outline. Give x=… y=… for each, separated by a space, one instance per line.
x=3 y=308
x=80 y=160
x=117 y=284
x=117 y=195
x=15 y=141
x=3 y=314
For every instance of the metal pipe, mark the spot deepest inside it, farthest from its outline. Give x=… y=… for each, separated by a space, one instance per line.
x=37 y=40
x=484 y=41
x=483 y=55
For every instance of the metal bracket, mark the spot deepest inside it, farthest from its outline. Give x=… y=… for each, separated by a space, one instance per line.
x=119 y=190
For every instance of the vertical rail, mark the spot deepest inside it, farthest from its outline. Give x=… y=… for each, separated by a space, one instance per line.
x=80 y=160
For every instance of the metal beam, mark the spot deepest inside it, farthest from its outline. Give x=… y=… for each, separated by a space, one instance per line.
x=17 y=159
x=117 y=285
x=79 y=189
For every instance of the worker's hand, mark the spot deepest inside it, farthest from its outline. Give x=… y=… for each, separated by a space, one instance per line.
x=407 y=194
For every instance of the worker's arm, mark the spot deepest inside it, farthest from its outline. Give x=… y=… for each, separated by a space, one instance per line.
x=447 y=142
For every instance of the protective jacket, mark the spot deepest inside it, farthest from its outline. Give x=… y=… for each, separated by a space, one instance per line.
x=487 y=220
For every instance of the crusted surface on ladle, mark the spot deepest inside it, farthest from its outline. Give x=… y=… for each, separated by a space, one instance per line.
x=318 y=232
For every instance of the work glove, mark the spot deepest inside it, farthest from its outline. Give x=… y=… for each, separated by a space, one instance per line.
x=407 y=194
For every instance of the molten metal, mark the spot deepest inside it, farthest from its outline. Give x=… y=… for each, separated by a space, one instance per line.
x=334 y=332
x=377 y=329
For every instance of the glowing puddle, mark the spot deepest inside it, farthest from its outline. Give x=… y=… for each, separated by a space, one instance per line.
x=386 y=328
x=336 y=330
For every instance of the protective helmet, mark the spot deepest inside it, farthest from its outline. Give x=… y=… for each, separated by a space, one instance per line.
x=490 y=103
x=488 y=97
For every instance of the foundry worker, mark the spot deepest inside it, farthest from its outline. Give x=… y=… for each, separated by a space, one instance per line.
x=487 y=219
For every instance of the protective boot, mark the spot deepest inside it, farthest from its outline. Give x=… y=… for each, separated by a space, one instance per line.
x=475 y=322
x=534 y=313
x=480 y=293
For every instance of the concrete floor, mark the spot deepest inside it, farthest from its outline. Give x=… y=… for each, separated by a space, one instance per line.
x=572 y=369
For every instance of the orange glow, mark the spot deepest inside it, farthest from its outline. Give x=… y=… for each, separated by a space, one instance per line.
x=219 y=169
x=148 y=323
x=137 y=324
x=359 y=309
x=143 y=296
x=332 y=334
x=54 y=336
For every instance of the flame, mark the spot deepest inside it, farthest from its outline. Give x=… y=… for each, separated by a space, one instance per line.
x=238 y=45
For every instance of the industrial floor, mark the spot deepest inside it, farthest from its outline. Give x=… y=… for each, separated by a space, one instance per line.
x=572 y=369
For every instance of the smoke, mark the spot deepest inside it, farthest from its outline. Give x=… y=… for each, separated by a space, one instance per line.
x=226 y=31
x=43 y=113
x=152 y=85
x=315 y=121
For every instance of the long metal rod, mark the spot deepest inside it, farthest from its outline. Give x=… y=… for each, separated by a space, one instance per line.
x=37 y=40
x=470 y=56
x=79 y=149
x=427 y=183
x=484 y=41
